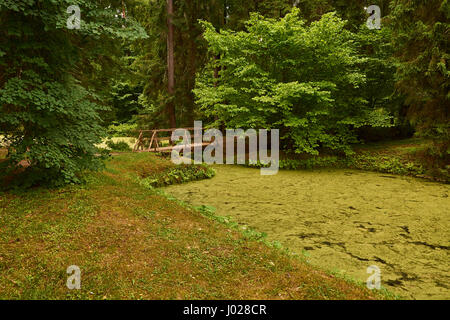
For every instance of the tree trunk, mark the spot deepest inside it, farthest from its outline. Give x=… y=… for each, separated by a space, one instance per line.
x=170 y=66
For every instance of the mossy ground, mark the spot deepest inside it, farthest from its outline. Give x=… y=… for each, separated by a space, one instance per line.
x=134 y=243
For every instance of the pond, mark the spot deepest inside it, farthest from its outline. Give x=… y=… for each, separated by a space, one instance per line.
x=343 y=221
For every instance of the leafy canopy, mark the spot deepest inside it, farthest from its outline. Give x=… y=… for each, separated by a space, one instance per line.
x=303 y=79
x=49 y=110
x=421 y=39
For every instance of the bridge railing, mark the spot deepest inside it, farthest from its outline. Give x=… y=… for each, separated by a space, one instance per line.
x=149 y=140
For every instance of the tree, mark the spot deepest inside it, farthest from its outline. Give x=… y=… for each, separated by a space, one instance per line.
x=421 y=38
x=379 y=88
x=353 y=11
x=170 y=65
x=190 y=50
x=303 y=79
x=49 y=109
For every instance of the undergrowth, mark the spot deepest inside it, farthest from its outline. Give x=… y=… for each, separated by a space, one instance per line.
x=178 y=174
x=399 y=159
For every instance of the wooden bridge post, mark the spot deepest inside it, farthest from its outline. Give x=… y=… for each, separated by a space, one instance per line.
x=151 y=140
x=138 y=142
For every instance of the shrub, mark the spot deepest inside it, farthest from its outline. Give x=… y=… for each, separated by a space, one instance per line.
x=49 y=103
x=118 y=146
x=303 y=79
x=310 y=163
x=122 y=130
x=179 y=174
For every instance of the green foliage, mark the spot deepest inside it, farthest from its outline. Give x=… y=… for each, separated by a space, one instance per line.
x=190 y=50
x=122 y=129
x=379 y=68
x=178 y=174
x=151 y=58
x=118 y=146
x=309 y=163
x=386 y=164
x=283 y=74
x=405 y=160
x=49 y=109
x=319 y=79
x=124 y=100
x=421 y=39
x=365 y=161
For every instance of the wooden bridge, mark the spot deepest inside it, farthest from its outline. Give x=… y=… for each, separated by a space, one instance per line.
x=151 y=140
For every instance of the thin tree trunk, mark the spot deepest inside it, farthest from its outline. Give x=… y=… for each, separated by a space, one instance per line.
x=170 y=65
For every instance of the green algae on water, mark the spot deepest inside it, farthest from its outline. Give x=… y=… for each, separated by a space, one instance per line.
x=344 y=220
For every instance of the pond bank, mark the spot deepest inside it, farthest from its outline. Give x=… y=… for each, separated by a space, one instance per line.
x=343 y=220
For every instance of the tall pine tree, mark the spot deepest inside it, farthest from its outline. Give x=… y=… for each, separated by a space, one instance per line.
x=49 y=110
x=421 y=37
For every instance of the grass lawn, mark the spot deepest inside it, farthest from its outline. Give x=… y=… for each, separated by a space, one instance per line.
x=132 y=242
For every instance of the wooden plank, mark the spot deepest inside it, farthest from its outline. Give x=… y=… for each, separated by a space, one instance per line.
x=155 y=139
x=169 y=130
x=170 y=148
x=170 y=138
x=157 y=143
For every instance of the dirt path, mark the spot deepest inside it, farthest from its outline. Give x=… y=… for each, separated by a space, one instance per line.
x=344 y=221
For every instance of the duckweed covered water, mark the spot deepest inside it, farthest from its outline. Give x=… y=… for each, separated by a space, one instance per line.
x=343 y=221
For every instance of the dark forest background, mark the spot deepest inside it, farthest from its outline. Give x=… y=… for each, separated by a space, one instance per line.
x=317 y=72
